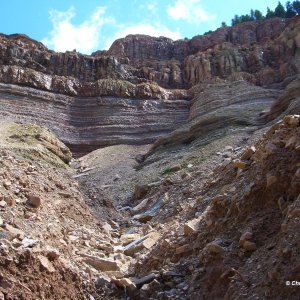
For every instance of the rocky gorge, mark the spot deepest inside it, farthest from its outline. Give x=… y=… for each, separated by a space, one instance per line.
x=157 y=169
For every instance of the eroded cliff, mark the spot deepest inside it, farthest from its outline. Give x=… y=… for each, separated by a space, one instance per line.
x=140 y=90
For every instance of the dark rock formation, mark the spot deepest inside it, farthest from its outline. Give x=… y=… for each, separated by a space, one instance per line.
x=287 y=103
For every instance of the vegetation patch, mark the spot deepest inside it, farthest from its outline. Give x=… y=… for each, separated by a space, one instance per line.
x=167 y=171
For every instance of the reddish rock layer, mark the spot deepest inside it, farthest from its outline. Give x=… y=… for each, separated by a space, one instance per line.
x=262 y=52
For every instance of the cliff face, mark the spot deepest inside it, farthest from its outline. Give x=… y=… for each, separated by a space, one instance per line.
x=139 y=90
x=262 y=52
x=87 y=123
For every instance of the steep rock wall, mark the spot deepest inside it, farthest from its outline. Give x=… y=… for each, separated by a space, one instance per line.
x=262 y=52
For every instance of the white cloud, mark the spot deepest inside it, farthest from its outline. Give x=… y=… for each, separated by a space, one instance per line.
x=189 y=10
x=151 y=6
x=83 y=37
x=147 y=29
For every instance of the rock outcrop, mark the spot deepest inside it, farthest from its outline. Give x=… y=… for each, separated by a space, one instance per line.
x=29 y=139
x=288 y=102
x=222 y=225
x=139 y=90
x=262 y=52
x=87 y=123
x=219 y=108
x=213 y=218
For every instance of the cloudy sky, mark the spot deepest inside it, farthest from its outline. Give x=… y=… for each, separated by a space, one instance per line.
x=89 y=25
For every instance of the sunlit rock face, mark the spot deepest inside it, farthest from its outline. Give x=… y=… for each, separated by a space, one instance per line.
x=261 y=52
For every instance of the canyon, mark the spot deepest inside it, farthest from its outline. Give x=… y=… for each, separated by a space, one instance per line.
x=156 y=169
x=143 y=88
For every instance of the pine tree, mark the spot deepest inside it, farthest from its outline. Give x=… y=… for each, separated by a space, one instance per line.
x=279 y=11
x=292 y=9
x=296 y=7
x=270 y=13
x=236 y=20
x=258 y=15
x=289 y=10
x=245 y=18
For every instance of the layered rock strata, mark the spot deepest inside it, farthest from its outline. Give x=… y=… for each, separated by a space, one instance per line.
x=217 y=108
x=287 y=103
x=87 y=123
x=139 y=90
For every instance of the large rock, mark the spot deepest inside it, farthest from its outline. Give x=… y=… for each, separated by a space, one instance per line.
x=47 y=265
x=191 y=226
x=145 y=242
x=102 y=264
x=34 y=200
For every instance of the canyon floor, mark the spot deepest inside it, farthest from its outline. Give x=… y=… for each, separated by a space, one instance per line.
x=197 y=221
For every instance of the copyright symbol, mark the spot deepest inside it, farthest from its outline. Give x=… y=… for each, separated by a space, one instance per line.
x=287 y=283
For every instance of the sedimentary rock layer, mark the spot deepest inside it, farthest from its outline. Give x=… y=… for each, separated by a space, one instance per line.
x=139 y=90
x=287 y=103
x=87 y=123
x=217 y=108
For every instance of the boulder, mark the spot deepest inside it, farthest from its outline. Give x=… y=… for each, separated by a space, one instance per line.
x=46 y=263
x=247 y=235
x=102 y=264
x=249 y=246
x=34 y=200
x=141 y=205
x=271 y=179
x=183 y=249
x=128 y=238
x=140 y=191
x=191 y=226
x=175 y=168
x=124 y=283
x=292 y=120
x=15 y=232
x=239 y=164
x=145 y=242
x=248 y=153
x=144 y=280
x=214 y=247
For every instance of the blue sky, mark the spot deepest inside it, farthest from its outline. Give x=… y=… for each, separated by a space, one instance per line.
x=89 y=25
